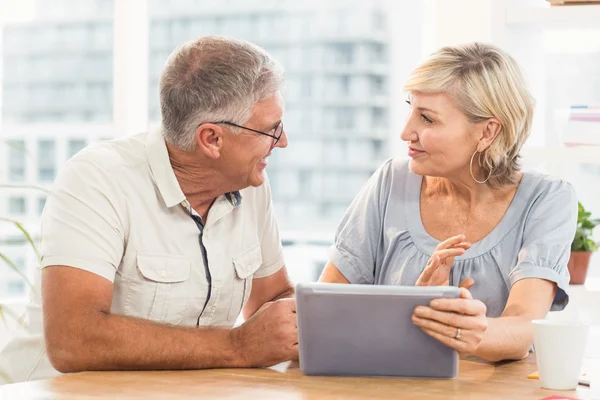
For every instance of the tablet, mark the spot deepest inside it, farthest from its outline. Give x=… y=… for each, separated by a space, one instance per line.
x=366 y=330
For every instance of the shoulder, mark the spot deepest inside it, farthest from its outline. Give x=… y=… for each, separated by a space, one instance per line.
x=392 y=170
x=124 y=152
x=550 y=197
x=394 y=167
x=546 y=187
x=103 y=164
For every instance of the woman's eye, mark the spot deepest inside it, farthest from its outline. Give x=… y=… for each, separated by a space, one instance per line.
x=425 y=119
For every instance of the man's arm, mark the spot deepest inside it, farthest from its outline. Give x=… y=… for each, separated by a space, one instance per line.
x=81 y=334
x=269 y=288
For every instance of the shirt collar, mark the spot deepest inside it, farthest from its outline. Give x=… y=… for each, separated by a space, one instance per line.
x=164 y=176
x=162 y=171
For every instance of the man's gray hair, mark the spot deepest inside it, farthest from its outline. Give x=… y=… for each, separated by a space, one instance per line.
x=210 y=79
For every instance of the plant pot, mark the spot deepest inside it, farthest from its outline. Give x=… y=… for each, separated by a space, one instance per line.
x=578 y=266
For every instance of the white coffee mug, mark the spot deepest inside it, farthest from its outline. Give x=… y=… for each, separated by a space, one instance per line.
x=559 y=350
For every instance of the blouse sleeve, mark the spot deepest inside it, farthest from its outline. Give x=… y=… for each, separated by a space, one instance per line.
x=549 y=231
x=358 y=235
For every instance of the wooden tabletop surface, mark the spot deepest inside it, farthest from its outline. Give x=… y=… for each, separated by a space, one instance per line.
x=477 y=380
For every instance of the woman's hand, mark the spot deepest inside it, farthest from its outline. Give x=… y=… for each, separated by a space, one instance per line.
x=437 y=270
x=458 y=323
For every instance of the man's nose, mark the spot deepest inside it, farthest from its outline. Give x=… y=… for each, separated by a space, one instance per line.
x=283 y=141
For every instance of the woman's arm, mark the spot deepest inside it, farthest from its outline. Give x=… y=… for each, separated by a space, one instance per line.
x=507 y=337
x=331 y=274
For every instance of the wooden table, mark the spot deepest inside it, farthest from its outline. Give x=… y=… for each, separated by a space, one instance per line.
x=477 y=379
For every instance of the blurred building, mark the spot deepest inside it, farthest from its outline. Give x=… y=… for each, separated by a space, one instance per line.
x=336 y=58
x=57 y=97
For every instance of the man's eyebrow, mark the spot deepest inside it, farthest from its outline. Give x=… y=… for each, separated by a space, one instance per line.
x=274 y=125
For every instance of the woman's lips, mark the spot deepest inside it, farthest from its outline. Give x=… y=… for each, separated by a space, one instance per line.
x=414 y=152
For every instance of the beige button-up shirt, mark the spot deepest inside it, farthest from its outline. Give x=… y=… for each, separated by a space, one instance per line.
x=117 y=210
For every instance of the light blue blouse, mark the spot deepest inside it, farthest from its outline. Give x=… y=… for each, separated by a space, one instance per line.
x=381 y=239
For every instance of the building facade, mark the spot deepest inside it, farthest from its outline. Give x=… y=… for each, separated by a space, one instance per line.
x=57 y=97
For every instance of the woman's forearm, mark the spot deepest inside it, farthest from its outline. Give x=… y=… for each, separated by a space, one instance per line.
x=507 y=338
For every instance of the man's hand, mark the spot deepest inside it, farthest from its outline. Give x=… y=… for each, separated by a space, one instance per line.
x=270 y=336
x=437 y=271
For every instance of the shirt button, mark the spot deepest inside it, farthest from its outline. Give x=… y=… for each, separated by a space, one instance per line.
x=163 y=274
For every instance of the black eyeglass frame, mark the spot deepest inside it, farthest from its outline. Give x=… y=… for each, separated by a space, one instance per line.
x=275 y=138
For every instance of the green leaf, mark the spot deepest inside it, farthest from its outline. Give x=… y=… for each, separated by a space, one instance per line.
x=33 y=246
x=26 y=235
x=583 y=235
x=31 y=242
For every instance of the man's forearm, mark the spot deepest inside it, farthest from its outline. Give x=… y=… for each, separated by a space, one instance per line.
x=115 y=342
x=507 y=338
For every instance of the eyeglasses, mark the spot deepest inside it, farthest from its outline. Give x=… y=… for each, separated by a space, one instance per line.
x=278 y=130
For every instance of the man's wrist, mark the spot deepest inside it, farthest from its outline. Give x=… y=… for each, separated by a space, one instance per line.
x=238 y=358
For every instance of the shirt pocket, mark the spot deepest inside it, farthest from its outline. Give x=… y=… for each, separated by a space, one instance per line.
x=245 y=265
x=159 y=289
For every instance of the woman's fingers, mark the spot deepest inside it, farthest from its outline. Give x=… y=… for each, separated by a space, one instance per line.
x=449 y=253
x=429 y=270
x=467 y=283
x=458 y=345
x=451 y=242
x=463 y=305
x=464 y=245
x=435 y=326
x=430 y=318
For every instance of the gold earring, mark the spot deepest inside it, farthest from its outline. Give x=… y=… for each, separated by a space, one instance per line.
x=471 y=168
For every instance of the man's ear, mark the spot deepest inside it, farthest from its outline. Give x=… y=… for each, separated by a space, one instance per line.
x=209 y=138
x=491 y=129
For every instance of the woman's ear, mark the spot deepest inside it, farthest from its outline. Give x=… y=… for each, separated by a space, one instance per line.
x=491 y=129
x=209 y=139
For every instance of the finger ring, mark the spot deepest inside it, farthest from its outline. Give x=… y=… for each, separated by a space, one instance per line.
x=457 y=334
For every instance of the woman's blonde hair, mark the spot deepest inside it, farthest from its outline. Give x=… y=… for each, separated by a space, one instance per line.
x=484 y=82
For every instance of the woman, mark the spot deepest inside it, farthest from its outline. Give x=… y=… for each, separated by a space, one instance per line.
x=461 y=212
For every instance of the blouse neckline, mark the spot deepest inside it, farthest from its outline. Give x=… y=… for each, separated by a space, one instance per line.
x=427 y=243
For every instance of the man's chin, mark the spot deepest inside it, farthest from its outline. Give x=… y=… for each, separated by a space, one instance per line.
x=257 y=179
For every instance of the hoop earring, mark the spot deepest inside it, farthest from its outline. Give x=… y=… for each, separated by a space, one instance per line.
x=471 y=169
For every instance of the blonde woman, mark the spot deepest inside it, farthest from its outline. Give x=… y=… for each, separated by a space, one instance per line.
x=461 y=212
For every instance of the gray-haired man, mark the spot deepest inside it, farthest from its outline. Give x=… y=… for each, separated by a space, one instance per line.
x=153 y=244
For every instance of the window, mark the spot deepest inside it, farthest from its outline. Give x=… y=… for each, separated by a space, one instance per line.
x=377 y=85
x=75 y=146
x=46 y=160
x=306 y=86
x=342 y=53
x=16 y=206
x=377 y=53
x=344 y=118
x=15 y=288
x=41 y=205
x=343 y=85
x=379 y=117
x=377 y=148
x=16 y=160
x=20 y=263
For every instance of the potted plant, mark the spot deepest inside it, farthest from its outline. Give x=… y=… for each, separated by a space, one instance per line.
x=582 y=247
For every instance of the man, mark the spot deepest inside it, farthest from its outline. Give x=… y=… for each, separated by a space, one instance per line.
x=152 y=244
